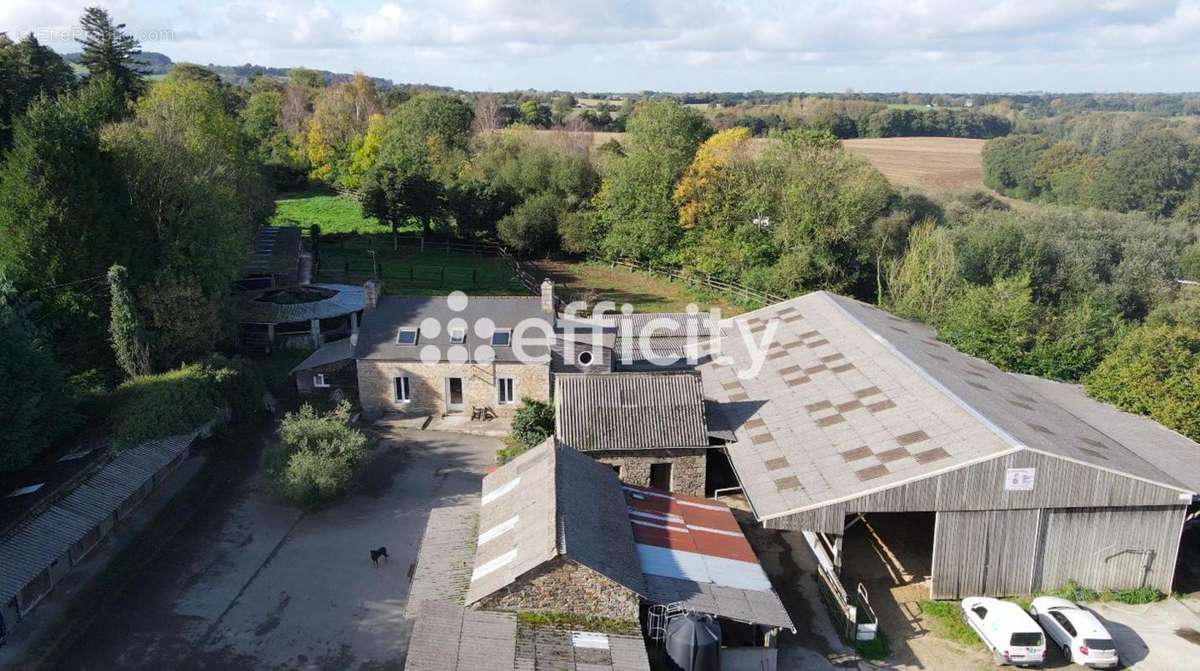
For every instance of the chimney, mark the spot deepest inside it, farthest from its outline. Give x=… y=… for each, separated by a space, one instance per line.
x=371 y=291
x=548 y=296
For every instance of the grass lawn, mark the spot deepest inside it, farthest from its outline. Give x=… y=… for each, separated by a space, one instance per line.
x=945 y=621
x=410 y=272
x=592 y=282
x=333 y=212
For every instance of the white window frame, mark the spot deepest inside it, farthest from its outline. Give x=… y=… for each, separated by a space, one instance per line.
x=319 y=380
x=457 y=336
x=499 y=331
x=512 y=384
x=405 y=387
x=416 y=336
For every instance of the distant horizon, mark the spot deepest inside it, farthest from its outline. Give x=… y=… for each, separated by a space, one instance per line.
x=882 y=46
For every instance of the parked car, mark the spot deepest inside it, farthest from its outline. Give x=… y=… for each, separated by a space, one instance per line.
x=1079 y=633
x=1011 y=635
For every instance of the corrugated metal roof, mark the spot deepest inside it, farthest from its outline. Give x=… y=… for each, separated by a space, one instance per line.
x=851 y=399
x=33 y=546
x=693 y=551
x=450 y=638
x=551 y=501
x=624 y=411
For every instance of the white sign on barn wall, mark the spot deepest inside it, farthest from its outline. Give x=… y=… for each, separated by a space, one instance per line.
x=1019 y=479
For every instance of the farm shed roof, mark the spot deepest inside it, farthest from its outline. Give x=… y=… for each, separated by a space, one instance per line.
x=852 y=399
x=551 y=502
x=258 y=308
x=451 y=638
x=276 y=250
x=330 y=352
x=45 y=538
x=381 y=325
x=1170 y=451
x=630 y=411
x=692 y=552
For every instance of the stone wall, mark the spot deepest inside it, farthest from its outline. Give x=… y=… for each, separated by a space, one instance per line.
x=688 y=467
x=564 y=586
x=428 y=386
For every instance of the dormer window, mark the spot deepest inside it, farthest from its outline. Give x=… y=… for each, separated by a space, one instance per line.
x=406 y=337
x=458 y=336
x=501 y=338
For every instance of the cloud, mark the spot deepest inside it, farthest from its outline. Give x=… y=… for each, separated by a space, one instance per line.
x=677 y=44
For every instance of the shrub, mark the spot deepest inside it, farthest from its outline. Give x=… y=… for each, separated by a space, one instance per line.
x=317 y=456
x=533 y=423
x=153 y=406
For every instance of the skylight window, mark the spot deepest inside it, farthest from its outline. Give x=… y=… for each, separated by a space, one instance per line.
x=458 y=336
x=502 y=338
x=406 y=337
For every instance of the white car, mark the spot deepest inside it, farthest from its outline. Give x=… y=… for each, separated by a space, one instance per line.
x=1012 y=636
x=1077 y=632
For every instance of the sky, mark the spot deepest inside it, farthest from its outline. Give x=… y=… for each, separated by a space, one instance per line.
x=667 y=45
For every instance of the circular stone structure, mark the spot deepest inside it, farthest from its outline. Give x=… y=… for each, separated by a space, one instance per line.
x=303 y=315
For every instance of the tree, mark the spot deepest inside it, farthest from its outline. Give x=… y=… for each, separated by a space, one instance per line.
x=1154 y=371
x=64 y=217
x=108 y=51
x=1008 y=164
x=635 y=200
x=196 y=200
x=340 y=118
x=1153 y=173
x=34 y=400
x=561 y=108
x=1073 y=339
x=997 y=323
x=27 y=70
x=926 y=279
x=713 y=156
x=532 y=227
x=126 y=329
x=395 y=194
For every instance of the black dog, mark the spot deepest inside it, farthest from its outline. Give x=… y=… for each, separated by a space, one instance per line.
x=376 y=554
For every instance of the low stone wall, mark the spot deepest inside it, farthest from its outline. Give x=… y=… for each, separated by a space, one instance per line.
x=563 y=586
x=688 y=467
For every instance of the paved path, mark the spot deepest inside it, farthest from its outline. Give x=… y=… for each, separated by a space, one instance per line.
x=268 y=588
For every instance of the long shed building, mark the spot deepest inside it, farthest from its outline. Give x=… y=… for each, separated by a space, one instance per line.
x=1032 y=484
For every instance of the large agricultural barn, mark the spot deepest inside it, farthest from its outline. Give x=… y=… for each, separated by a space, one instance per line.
x=1029 y=483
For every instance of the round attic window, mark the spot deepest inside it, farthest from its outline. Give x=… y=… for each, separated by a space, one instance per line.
x=584 y=358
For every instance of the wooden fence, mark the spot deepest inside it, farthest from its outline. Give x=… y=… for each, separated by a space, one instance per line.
x=732 y=290
x=704 y=280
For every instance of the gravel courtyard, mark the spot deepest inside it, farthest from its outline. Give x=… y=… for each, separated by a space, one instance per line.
x=259 y=585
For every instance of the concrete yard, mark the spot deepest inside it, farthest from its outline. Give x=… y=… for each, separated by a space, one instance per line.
x=263 y=586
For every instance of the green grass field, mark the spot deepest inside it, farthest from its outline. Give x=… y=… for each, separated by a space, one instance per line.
x=411 y=272
x=333 y=212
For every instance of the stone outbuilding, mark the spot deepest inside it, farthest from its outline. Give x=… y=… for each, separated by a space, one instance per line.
x=649 y=427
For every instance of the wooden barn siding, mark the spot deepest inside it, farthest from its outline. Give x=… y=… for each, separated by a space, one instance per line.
x=1058 y=484
x=985 y=552
x=1085 y=546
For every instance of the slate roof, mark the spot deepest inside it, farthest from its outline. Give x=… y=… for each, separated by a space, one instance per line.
x=330 y=352
x=550 y=502
x=346 y=298
x=852 y=399
x=380 y=327
x=629 y=411
x=450 y=638
x=45 y=538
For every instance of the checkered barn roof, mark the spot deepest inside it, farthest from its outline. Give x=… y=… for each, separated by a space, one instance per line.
x=852 y=399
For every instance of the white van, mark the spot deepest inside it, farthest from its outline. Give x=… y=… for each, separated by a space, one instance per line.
x=1012 y=636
